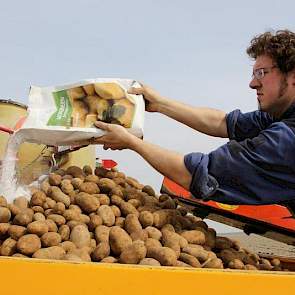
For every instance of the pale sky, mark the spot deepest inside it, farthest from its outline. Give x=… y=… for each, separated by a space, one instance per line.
x=192 y=51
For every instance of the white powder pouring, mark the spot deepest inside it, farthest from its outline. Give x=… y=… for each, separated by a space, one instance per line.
x=9 y=187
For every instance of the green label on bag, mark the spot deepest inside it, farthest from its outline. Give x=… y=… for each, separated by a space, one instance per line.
x=62 y=116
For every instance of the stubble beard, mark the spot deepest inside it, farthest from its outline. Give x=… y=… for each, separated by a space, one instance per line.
x=278 y=107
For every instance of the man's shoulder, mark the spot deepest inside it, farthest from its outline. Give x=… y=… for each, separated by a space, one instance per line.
x=284 y=127
x=290 y=123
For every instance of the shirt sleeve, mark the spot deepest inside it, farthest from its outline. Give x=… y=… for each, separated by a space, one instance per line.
x=241 y=126
x=203 y=185
x=258 y=170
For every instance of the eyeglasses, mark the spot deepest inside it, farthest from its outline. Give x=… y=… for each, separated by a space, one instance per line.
x=260 y=73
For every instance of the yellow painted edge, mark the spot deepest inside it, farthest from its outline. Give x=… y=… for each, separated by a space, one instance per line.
x=30 y=276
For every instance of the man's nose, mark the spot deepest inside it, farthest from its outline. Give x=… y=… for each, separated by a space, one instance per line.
x=254 y=83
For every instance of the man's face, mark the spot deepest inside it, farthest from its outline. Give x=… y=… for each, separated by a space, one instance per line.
x=271 y=86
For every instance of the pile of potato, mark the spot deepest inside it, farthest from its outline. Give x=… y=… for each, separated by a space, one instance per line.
x=107 y=217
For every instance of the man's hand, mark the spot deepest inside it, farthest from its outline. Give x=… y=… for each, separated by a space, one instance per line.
x=116 y=137
x=153 y=100
x=165 y=162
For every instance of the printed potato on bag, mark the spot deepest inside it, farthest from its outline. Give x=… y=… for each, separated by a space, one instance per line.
x=65 y=115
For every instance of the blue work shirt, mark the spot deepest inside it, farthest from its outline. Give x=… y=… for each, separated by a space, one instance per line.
x=257 y=165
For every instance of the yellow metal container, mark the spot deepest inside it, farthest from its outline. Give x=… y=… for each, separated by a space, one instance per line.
x=31 y=276
x=34 y=159
x=81 y=157
x=10 y=112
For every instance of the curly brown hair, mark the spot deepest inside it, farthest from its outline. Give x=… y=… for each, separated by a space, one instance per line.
x=280 y=46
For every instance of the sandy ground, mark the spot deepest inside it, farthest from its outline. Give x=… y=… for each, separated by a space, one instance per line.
x=262 y=245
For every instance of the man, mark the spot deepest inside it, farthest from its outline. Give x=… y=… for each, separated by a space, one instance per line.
x=257 y=165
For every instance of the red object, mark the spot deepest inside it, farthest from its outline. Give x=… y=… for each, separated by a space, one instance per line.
x=17 y=126
x=20 y=123
x=276 y=215
x=108 y=164
x=6 y=129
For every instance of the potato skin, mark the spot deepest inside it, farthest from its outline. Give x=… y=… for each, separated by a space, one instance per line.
x=83 y=253
x=109 y=259
x=101 y=251
x=28 y=244
x=95 y=220
x=106 y=185
x=250 y=267
x=153 y=232
x=72 y=214
x=4 y=229
x=149 y=261
x=3 y=202
x=66 y=186
x=141 y=235
x=76 y=172
x=127 y=208
x=120 y=221
x=23 y=218
x=21 y=202
x=103 y=199
x=16 y=231
x=213 y=263
x=14 y=210
x=116 y=210
x=68 y=246
x=222 y=243
x=164 y=216
x=76 y=182
x=133 y=182
x=87 y=202
x=119 y=239
x=182 y=264
x=37 y=227
x=59 y=208
x=37 y=209
x=5 y=214
x=58 y=196
x=19 y=255
x=198 y=252
x=189 y=259
x=150 y=244
x=116 y=200
x=171 y=240
x=72 y=257
x=8 y=247
x=146 y=218
x=194 y=237
x=87 y=170
x=50 y=239
x=80 y=236
x=149 y=190
x=236 y=264
x=164 y=255
x=52 y=227
x=107 y=215
x=64 y=232
x=89 y=188
x=54 y=179
x=58 y=219
x=133 y=253
x=132 y=223
x=54 y=252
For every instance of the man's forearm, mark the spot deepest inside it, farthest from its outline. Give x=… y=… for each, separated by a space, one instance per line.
x=205 y=120
x=168 y=163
